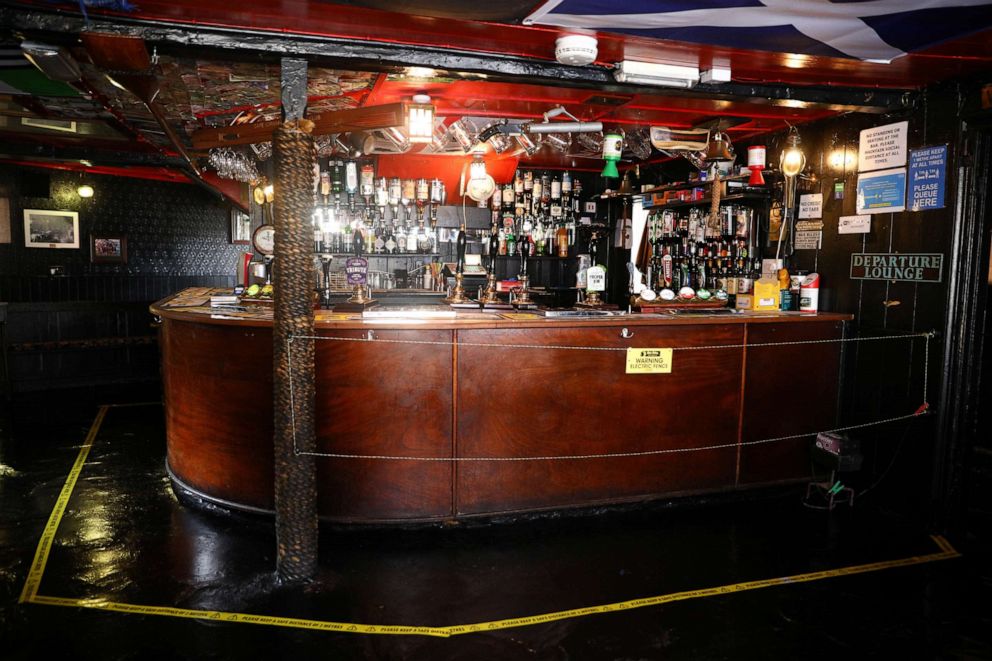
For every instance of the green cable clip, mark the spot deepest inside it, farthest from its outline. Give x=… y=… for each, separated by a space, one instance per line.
x=835 y=489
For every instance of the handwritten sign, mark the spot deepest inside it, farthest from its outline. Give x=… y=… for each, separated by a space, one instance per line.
x=882 y=192
x=854 y=224
x=808 y=240
x=907 y=267
x=927 y=173
x=811 y=206
x=649 y=361
x=356 y=270
x=883 y=147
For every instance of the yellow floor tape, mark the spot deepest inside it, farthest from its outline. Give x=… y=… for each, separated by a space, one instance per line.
x=30 y=591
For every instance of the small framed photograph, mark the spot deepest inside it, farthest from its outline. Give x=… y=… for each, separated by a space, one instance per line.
x=51 y=229
x=108 y=249
x=240 y=227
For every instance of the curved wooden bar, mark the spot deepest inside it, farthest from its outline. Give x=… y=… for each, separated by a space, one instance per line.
x=488 y=386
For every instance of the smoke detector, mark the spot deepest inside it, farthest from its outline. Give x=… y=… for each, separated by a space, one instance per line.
x=576 y=49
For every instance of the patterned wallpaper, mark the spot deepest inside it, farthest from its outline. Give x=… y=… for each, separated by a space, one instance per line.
x=175 y=232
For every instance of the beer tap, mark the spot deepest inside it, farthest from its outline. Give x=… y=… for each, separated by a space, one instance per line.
x=325 y=293
x=489 y=297
x=523 y=299
x=457 y=296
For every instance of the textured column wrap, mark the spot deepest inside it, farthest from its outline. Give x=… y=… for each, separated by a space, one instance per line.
x=293 y=387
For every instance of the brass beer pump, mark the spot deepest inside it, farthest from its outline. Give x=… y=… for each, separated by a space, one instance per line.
x=489 y=297
x=523 y=299
x=458 y=296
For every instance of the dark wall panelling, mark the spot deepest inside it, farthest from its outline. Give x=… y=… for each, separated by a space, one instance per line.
x=885 y=378
x=91 y=325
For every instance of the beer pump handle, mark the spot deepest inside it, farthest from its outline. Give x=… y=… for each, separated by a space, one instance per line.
x=593 y=247
x=358 y=241
x=462 y=243
x=523 y=247
x=493 y=249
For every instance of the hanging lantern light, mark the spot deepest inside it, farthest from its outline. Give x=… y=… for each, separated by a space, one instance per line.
x=420 y=120
x=85 y=191
x=792 y=160
x=477 y=169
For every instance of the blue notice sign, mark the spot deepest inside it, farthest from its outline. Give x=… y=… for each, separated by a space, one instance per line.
x=882 y=192
x=927 y=174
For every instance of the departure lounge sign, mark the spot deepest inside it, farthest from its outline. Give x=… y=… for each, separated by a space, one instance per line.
x=904 y=267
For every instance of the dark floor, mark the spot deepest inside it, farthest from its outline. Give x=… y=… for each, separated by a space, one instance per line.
x=125 y=538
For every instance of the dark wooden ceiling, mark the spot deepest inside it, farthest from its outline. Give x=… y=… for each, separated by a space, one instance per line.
x=218 y=64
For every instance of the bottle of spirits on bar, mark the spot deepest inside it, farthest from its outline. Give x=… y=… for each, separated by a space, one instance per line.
x=351 y=181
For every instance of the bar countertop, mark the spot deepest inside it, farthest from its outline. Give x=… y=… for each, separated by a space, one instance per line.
x=193 y=305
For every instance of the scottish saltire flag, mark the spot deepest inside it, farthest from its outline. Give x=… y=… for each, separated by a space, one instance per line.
x=872 y=30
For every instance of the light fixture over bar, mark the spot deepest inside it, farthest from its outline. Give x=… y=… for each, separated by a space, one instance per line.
x=652 y=73
x=420 y=120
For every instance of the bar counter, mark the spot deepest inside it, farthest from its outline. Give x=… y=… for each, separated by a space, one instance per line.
x=498 y=385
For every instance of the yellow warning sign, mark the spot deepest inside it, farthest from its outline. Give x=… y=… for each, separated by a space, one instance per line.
x=649 y=361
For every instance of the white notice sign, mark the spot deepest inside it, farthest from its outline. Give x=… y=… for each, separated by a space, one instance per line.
x=808 y=240
x=811 y=206
x=883 y=147
x=854 y=224
x=596 y=278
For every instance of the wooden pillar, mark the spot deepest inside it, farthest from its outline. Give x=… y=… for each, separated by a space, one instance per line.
x=295 y=473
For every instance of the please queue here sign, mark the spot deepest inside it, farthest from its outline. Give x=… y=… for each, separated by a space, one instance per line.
x=906 y=267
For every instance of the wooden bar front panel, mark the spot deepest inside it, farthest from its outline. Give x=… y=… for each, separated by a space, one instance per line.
x=384 y=399
x=541 y=402
x=217 y=383
x=788 y=390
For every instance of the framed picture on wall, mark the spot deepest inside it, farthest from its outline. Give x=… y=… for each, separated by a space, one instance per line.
x=51 y=229
x=240 y=227
x=108 y=249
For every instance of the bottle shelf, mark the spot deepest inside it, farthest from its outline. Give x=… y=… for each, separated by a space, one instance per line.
x=706 y=201
x=375 y=255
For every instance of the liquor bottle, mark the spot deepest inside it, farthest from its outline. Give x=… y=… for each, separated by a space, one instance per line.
x=561 y=239
x=576 y=195
x=367 y=184
x=351 y=179
x=325 y=185
x=390 y=240
x=537 y=191
x=380 y=238
x=518 y=188
x=346 y=239
x=502 y=241
x=318 y=231
x=511 y=241
x=337 y=180
x=401 y=239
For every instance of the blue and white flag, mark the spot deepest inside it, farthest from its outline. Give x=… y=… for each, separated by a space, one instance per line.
x=872 y=30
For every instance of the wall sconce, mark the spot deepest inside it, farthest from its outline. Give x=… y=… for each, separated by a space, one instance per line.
x=85 y=191
x=843 y=160
x=420 y=120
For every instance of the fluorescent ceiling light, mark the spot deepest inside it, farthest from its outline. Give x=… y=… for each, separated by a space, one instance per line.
x=651 y=73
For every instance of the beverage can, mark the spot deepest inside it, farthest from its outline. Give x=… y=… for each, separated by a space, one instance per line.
x=809 y=293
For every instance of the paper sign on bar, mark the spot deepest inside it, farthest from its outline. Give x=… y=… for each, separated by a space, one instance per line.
x=649 y=361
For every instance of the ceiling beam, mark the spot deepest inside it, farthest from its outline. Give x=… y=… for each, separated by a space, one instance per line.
x=335 y=121
x=382 y=56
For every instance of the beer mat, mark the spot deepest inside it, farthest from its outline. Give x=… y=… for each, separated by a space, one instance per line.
x=475 y=316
